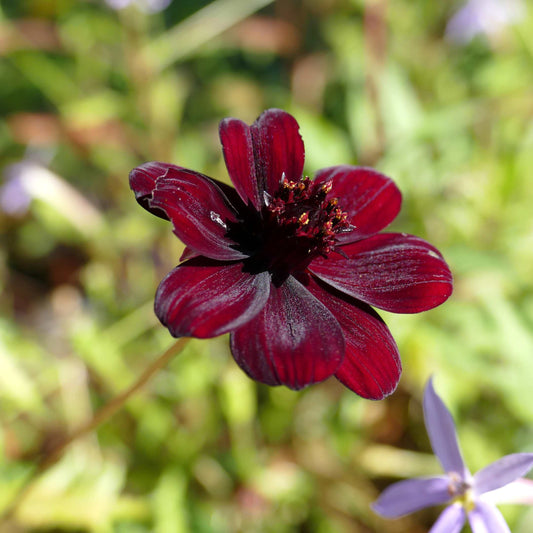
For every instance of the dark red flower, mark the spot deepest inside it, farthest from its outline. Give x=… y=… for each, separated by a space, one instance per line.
x=288 y=265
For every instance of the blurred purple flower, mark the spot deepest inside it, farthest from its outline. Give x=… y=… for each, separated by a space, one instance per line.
x=489 y=17
x=30 y=180
x=471 y=497
x=148 y=6
x=14 y=196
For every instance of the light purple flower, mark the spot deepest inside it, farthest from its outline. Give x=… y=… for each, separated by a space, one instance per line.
x=470 y=496
x=148 y=6
x=487 y=17
x=14 y=196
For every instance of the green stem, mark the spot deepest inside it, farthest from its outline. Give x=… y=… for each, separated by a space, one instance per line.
x=99 y=418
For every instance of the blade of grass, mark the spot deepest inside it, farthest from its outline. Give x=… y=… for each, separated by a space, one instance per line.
x=99 y=418
x=187 y=36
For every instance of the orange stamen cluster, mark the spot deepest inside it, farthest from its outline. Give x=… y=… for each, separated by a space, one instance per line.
x=304 y=211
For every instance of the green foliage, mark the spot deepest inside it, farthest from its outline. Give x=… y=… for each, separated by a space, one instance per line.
x=87 y=93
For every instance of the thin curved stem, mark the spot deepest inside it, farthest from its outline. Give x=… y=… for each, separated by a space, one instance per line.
x=106 y=412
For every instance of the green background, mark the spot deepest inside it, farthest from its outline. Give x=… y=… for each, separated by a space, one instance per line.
x=86 y=94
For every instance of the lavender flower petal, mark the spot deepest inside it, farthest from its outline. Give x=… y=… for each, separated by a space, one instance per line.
x=15 y=199
x=451 y=520
x=485 y=518
x=502 y=472
x=411 y=495
x=441 y=431
x=487 y=17
x=148 y=6
x=519 y=491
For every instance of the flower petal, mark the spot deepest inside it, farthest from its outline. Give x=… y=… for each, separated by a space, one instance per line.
x=441 y=431
x=370 y=199
x=485 y=518
x=393 y=271
x=144 y=177
x=411 y=495
x=278 y=149
x=519 y=491
x=142 y=183
x=503 y=471
x=237 y=146
x=188 y=254
x=371 y=365
x=199 y=212
x=451 y=520
x=293 y=341
x=204 y=298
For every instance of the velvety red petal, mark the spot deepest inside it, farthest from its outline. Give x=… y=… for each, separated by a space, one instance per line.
x=370 y=199
x=199 y=212
x=393 y=271
x=237 y=146
x=371 y=365
x=142 y=183
x=278 y=149
x=143 y=179
x=205 y=298
x=188 y=254
x=293 y=341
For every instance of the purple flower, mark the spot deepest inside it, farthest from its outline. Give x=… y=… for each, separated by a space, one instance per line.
x=15 y=199
x=148 y=6
x=472 y=496
x=489 y=17
x=288 y=265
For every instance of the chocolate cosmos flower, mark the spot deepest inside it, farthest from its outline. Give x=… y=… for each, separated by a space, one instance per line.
x=289 y=265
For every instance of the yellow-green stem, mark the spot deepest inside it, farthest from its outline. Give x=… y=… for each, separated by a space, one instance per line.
x=100 y=417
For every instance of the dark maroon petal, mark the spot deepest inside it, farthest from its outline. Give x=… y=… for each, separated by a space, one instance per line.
x=393 y=271
x=230 y=193
x=188 y=253
x=371 y=200
x=142 y=183
x=237 y=146
x=199 y=212
x=293 y=341
x=371 y=366
x=144 y=177
x=205 y=298
x=278 y=149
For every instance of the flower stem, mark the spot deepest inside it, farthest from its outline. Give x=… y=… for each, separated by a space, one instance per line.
x=99 y=418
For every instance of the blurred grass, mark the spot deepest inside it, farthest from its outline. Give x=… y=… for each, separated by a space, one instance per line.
x=87 y=93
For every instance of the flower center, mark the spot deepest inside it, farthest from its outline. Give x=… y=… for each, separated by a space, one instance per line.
x=301 y=209
x=461 y=491
x=295 y=225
